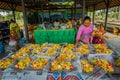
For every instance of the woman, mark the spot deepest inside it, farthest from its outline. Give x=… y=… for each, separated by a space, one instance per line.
x=98 y=35
x=85 y=30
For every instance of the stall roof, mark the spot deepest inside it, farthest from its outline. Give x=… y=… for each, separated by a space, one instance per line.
x=36 y=5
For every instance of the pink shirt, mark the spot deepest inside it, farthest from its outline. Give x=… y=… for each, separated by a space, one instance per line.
x=84 y=33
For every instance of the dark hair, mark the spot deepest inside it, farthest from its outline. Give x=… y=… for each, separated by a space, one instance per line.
x=87 y=18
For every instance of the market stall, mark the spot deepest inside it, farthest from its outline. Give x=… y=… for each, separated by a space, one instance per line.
x=54 y=36
x=61 y=62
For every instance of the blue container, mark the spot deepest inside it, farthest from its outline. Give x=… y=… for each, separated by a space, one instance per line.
x=1 y=44
x=22 y=41
x=2 y=50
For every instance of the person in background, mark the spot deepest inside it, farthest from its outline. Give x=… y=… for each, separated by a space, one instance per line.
x=56 y=24
x=98 y=35
x=70 y=24
x=43 y=25
x=85 y=31
x=15 y=28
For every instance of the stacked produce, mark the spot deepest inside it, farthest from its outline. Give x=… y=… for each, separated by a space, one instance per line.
x=44 y=55
x=39 y=63
x=61 y=65
x=87 y=67
x=102 y=48
x=5 y=63
x=66 y=56
x=103 y=64
x=118 y=62
x=23 y=63
x=83 y=49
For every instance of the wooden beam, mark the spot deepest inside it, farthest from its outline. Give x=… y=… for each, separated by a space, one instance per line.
x=107 y=9
x=25 y=21
x=93 y=13
x=75 y=2
x=83 y=9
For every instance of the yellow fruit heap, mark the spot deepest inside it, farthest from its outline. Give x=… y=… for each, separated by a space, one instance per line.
x=83 y=50
x=33 y=46
x=24 y=50
x=55 y=46
x=70 y=46
x=5 y=63
x=86 y=66
x=37 y=50
x=103 y=64
x=66 y=56
x=66 y=50
x=22 y=64
x=118 y=62
x=51 y=52
x=100 y=46
x=44 y=45
x=106 y=51
x=58 y=66
x=18 y=55
x=39 y=63
x=85 y=46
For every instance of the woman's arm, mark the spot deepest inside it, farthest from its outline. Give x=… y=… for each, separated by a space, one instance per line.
x=79 y=35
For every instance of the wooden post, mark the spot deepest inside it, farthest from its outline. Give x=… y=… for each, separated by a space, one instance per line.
x=25 y=21
x=107 y=8
x=49 y=15
x=13 y=10
x=74 y=9
x=42 y=13
x=83 y=9
x=93 y=14
x=106 y=17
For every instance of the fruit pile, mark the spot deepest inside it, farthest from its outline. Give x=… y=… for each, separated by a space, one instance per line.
x=118 y=62
x=23 y=63
x=103 y=64
x=24 y=50
x=55 y=46
x=86 y=66
x=59 y=66
x=84 y=46
x=66 y=56
x=5 y=63
x=83 y=50
x=105 y=51
x=18 y=55
x=100 y=46
x=70 y=46
x=66 y=50
x=37 y=50
x=39 y=63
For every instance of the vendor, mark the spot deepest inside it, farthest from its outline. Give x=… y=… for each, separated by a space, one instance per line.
x=15 y=28
x=84 y=32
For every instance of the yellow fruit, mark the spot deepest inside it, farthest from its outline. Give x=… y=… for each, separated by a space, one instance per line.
x=61 y=66
x=118 y=62
x=39 y=63
x=23 y=63
x=5 y=63
x=86 y=66
x=103 y=64
x=66 y=56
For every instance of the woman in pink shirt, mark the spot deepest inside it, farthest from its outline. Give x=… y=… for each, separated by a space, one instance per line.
x=84 y=32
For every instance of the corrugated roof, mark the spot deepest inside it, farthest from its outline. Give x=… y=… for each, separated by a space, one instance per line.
x=36 y=5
